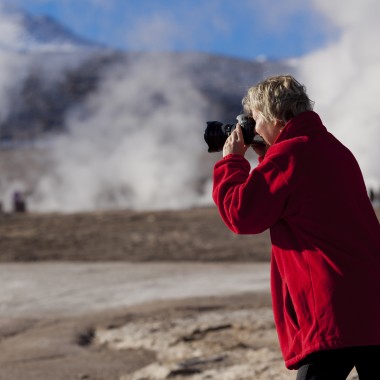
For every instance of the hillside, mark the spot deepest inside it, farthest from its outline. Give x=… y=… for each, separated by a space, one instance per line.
x=56 y=83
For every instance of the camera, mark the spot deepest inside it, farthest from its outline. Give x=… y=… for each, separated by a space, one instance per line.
x=216 y=133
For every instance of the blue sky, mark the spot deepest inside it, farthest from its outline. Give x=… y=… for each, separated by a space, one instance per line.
x=248 y=29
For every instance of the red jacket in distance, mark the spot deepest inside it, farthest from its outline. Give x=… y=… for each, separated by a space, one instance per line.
x=325 y=263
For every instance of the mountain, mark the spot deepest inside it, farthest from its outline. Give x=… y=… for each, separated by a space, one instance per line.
x=30 y=33
x=51 y=72
x=40 y=105
x=43 y=32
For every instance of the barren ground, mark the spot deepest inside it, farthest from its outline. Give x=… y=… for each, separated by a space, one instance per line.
x=223 y=333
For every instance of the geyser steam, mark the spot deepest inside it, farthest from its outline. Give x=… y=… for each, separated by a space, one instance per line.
x=137 y=143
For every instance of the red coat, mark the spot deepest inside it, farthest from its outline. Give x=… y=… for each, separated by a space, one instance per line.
x=325 y=263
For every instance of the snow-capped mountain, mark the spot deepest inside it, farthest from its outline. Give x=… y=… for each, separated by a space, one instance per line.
x=23 y=32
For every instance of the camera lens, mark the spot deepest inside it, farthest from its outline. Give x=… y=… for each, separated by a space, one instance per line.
x=216 y=134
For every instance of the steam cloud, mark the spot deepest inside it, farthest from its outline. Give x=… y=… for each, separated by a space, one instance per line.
x=137 y=144
x=344 y=79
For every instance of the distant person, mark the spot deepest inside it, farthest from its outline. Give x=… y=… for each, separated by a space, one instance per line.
x=19 y=202
x=325 y=262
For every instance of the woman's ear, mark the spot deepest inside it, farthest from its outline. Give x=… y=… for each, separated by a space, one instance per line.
x=280 y=124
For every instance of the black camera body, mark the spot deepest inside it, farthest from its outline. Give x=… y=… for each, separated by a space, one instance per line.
x=216 y=133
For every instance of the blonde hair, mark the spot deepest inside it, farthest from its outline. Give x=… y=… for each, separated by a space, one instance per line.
x=278 y=98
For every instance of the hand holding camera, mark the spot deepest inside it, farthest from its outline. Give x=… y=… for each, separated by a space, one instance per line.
x=216 y=133
x=235 y=143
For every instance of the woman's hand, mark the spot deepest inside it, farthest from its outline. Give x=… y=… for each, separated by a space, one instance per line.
x=235 y=143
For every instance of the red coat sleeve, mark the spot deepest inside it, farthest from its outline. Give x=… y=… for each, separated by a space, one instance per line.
x=249 y=203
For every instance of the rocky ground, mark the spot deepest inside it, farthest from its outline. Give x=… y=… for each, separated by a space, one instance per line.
x=212 y=337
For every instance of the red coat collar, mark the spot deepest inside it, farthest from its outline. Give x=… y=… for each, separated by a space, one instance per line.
x=307 y=123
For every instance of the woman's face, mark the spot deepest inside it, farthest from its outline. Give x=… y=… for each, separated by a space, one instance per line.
x=267 y=130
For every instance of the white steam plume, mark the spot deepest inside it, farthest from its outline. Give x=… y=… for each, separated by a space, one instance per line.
x=137 y=144
x=17 y=64
x=344 y=80
x=13 y=66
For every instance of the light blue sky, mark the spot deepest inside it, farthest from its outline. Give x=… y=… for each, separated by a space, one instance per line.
x=246 y=28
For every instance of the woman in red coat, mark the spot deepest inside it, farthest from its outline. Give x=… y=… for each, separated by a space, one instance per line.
x=325 y=264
